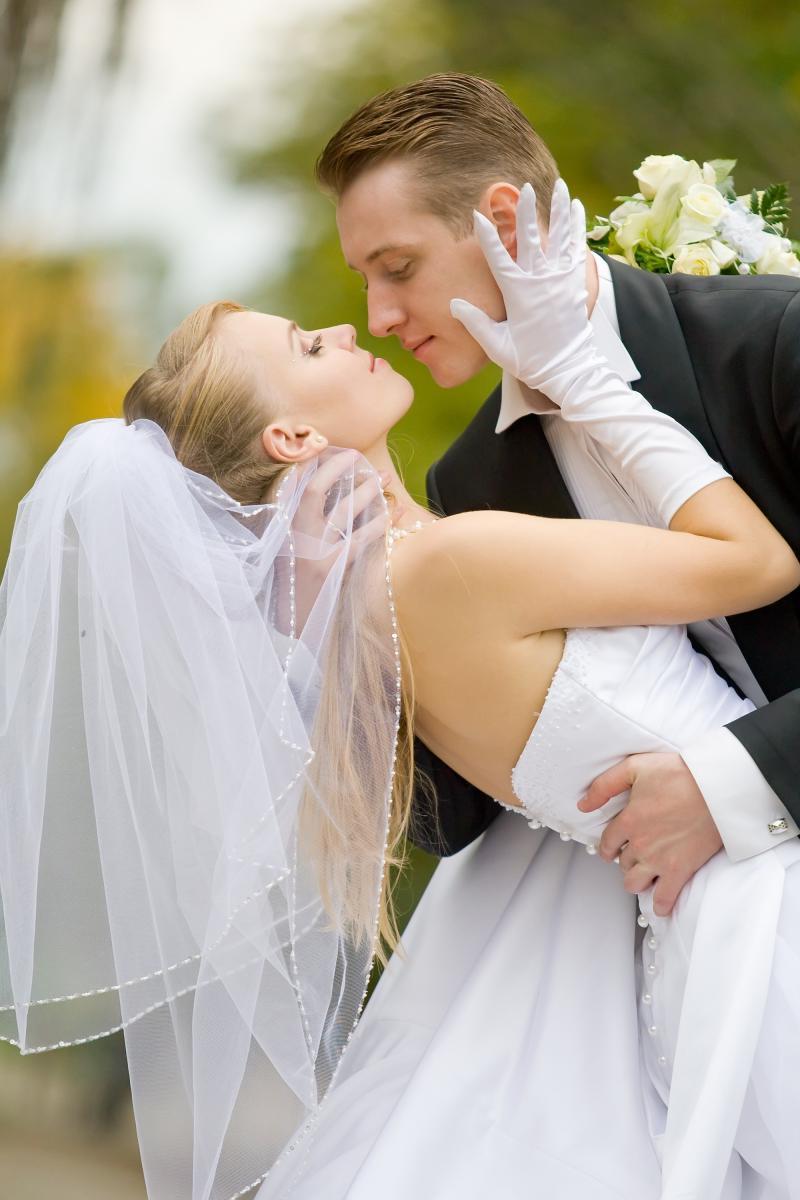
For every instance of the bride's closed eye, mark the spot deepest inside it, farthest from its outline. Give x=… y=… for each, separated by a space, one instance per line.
x=315 y=346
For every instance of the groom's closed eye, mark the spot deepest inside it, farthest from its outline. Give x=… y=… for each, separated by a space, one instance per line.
x=399 y=272
x=394 y=275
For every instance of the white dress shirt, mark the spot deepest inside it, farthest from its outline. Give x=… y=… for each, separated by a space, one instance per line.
x=740 y=800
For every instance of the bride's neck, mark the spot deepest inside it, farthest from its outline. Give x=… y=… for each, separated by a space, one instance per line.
x=405 y=509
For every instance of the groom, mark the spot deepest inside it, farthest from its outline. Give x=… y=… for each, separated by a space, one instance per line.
x=721 y=355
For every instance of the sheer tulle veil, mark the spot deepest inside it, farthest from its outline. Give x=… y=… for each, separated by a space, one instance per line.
x=169 y=750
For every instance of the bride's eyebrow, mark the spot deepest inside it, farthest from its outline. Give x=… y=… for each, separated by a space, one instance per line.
x=293 y=336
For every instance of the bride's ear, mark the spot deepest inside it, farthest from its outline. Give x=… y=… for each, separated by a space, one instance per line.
x=292 y=443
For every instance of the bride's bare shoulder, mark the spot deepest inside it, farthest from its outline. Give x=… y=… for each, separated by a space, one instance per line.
x=465 y=541
x=454 y=572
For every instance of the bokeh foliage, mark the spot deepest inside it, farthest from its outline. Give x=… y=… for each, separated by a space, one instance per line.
x=63 y=359
x=605 y=85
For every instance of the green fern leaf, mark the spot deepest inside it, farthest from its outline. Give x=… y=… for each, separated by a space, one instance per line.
x=774 y=207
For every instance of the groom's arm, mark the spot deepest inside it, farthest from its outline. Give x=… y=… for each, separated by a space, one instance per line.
x=771 y=735
x=447 y=812
x=771 y=738
x=739 y=786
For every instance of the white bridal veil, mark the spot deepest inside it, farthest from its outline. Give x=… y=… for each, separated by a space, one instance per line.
x=180 y=700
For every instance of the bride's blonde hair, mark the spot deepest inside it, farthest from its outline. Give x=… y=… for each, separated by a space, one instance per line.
x=206 y=401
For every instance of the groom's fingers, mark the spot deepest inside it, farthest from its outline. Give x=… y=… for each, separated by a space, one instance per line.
x=353 y=504
x=613 y=782
x=667 y=890
x=614 y=839
x=639 y=878
x=370 y=532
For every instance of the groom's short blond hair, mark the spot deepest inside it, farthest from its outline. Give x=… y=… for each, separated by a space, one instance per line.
x=460 y=133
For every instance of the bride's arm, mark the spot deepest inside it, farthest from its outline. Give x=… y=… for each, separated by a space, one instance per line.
x=547 y=341
x=519 y=575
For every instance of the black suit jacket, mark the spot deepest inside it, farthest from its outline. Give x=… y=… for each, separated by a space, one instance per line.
x=722 y=356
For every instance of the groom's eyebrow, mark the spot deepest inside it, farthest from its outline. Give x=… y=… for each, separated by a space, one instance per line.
x=389 y=248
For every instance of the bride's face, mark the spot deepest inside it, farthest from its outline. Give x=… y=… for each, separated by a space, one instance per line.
x=320 y=380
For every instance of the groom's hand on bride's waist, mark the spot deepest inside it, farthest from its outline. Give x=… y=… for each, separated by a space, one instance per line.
x=664 y=834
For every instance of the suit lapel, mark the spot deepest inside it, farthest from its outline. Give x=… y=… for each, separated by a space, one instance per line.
x=651 y=331
x=516 y=472
x=533 y=481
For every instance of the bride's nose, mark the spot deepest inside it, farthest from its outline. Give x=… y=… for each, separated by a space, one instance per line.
x=344 y=336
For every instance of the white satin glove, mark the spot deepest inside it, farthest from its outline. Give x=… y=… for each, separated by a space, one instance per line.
x=546 y=339
x=547 y=342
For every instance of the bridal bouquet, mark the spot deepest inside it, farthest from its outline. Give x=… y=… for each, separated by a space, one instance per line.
x=687 y=218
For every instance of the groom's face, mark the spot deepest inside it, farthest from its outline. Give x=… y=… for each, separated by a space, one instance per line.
x=413 y=264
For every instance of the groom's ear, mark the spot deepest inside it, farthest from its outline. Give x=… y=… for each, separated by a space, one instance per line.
x=499 y=204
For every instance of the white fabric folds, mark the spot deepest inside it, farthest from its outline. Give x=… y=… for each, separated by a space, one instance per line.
x=168 y=665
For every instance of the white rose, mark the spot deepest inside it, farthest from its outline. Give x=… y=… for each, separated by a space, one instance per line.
x=627 y=209
x=722 y=253
x=695 y=260
x=650 y=174
x=778 y=258
x=703 y=202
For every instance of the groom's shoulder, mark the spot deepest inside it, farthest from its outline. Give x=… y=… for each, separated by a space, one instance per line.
x=779 y=289
x=714 y=298
x=729 y=316
x=719 y=316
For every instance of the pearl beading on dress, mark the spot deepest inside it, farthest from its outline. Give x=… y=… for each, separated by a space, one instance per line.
x=651 y=970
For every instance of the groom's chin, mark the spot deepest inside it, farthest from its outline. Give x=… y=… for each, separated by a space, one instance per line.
x=451 y=374
x=449 y=370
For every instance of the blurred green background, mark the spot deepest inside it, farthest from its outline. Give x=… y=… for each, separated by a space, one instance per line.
x=157 y=154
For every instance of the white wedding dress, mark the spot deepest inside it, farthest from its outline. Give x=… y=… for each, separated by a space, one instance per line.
x=529 y=1043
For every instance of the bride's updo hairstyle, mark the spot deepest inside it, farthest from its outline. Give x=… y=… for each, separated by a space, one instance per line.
x=213 y=409
x=208 y=404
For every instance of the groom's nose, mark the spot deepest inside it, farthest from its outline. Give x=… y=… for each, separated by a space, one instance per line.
x=383 y=314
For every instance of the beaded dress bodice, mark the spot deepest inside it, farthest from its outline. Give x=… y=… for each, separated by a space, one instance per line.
x=616 y=692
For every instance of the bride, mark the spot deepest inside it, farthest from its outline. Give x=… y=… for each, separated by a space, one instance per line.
x=221 y=657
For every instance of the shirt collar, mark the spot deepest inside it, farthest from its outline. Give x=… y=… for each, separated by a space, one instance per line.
x=517 y=400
